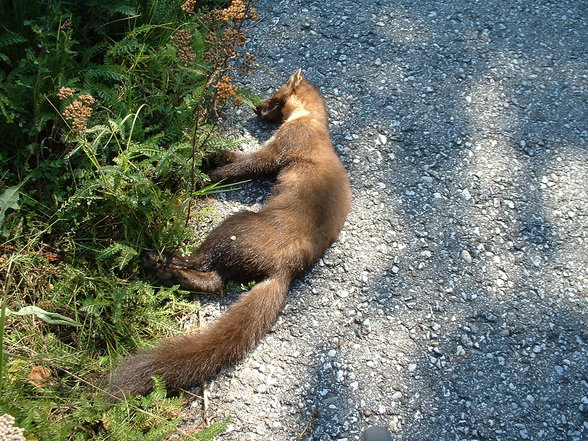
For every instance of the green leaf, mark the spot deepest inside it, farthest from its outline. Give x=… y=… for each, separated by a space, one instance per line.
x=211 y=432
x=125 y=254
x=249 y=97
x=48 y=317
x=9 y=199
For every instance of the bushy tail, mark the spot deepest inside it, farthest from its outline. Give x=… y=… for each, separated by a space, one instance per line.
x=185 y=361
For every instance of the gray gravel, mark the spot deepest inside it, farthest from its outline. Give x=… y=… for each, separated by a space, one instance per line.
x=454 y=305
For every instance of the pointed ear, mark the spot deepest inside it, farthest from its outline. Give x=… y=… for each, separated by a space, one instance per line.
x=296 y=78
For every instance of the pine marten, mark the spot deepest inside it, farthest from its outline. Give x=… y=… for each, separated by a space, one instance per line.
x=300 y=220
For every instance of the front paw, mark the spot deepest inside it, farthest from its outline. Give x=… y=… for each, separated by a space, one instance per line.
x=157 y=264
x=221 y=158
x=151 y=260
x=226 y=157
x=217 y=174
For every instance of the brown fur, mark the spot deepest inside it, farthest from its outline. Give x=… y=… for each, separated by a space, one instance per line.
x=301 y=219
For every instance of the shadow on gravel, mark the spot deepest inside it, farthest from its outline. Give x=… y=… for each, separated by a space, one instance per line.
x=326 y=414
x=494 y=346
x=517 y=377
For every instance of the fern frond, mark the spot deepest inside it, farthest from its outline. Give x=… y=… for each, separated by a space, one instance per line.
x=124 y=9
x=93 y=51
x=107 y=71
x=10 y=38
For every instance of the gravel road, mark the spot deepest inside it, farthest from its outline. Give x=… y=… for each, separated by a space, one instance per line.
x=455 y=304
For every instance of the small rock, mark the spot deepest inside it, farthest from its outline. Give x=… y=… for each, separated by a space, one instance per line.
x=465 y=193
x=465 y=255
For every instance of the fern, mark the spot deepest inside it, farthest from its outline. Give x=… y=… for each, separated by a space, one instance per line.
x=162 y=11
x=124 y=9
x=8 y=108
x=130 y=44
x=10 y=38
x=92 y=52
x=106 y=72
x=96 y=195
x=211 y=432
x=123 y=254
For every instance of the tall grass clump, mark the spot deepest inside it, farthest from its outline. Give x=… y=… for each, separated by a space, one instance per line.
x=108 y=113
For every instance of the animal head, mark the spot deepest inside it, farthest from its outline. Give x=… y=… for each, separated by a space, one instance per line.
x=296 y=98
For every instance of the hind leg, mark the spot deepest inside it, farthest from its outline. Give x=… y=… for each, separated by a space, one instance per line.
x=180 y=270
x=198 y=281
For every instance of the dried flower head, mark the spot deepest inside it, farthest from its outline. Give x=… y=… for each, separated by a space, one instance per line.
x=225 y=89
x=181 y=38
x=67 y=25
x=182 y=41
x=234 y=37
x=78 y=112
x=213 y=16
x=186 y=55
x=237 y=10
x=247 y=63
x=188 y=6
x=64 y=93
x=87 y=99
x=253 y=14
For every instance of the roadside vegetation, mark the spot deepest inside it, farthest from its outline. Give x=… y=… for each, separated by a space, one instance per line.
x=107 y=118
